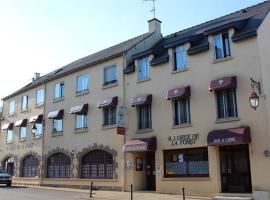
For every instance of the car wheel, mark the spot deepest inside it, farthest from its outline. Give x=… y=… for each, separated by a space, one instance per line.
x=8 y=184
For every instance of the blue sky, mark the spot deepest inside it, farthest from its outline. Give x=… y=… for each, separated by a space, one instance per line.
x=42 y=35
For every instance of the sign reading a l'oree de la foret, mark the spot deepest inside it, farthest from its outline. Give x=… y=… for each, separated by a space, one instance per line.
x=186 y=139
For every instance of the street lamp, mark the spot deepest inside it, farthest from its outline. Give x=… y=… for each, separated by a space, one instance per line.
x=254 y=99
x=34 y=129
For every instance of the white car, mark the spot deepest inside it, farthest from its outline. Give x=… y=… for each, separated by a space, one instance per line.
x=5 y=178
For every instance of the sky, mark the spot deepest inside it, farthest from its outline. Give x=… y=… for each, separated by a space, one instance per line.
x=43 y=35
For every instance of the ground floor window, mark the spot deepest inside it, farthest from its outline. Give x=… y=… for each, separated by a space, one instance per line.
x=29 y=166
x=97 y=164
x=59 y=166
x=186 y=162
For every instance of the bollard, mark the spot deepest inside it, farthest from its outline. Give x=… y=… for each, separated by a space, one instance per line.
x=183 y=192
x=91 y=190
x=131 y=192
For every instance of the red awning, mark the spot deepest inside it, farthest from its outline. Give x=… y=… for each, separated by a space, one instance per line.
x=180 y=92
x=111 y=101
x=80 y=109
x=230 y=136
x=21 y=123
x=141 y=144
x=58 y=114
x=8 y=126
x=36 y=119
x=141 y=100
x=223 y=83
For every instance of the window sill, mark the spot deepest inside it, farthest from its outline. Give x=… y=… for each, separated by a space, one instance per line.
x=222 y=59
x=186 y=179
x=79 y=93
x=111 y=126
x=22 y=139
x=110 y=85
x=143 y=80
x=36 y=137
x=58 y=99
x=231 y=119
x=39 y=105
x=181 y=126
x=81 y=130
x=11 y=114
x=179 y=70
x=55 y=134
x=144 y=130
x=24 y=110
x=9 y=142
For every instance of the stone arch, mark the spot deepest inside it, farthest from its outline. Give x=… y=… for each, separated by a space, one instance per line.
x=5 y=158
x=24 y=156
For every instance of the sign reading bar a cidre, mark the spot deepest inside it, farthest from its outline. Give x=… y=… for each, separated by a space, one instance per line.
x=186 y=139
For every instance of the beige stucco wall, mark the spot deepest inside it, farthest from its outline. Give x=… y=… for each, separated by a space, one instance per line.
x=202 y=69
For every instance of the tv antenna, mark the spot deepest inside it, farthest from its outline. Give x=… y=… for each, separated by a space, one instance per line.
x=153 y=10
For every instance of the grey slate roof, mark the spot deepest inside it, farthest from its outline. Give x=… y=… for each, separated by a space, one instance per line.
x=101 y=56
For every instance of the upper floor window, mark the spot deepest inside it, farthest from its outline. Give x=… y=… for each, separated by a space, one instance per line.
x=9 y=135
x=11 y=108
x=222 y=45
x=23 y=132
x=40 y=96
x=226 y=103
x=144 y=118
x=143 y=69
x=181 y=111
x=110 y=75
x=24 y=104
x=109 y=115
x=59 y=91
x=82 y=83
x=57 y=125
x=180 y=58
x=81 y=121
x=39 y=129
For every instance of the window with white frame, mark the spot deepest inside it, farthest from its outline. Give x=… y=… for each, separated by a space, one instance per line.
x=81 y=121
x=11 y=108
x=9 y=135
x=181 y=111
x=110 y=75
x=23 y=132
x=57 y=125
x=24 y=104
x=143 y=68
x=40 y=96
x=222 y=45
x=226 y=103
x=59 y=91
x=144 y=118
x=180 y=58
x=39 y=129
x=82 y=83
x=109 y=115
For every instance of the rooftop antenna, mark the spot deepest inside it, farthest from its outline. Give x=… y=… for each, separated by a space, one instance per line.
x=153 y=10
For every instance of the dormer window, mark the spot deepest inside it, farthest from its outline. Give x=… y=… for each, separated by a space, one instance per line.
x=143 y=69
x=180 y=58
x=222 y=45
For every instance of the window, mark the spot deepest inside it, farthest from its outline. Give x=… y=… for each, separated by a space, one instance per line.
x=186 y=162
x=226 y=103
x=39 y=130
x=57 y=125
x=82 y=83
x=23 y=132
x=144 y=117
x=97 y=164
x=9 y=135
x=29 y=166
x=222 y=45
x=11 y=108
x=40 y=97
x=59 y=91
x=59 y=166
x=24 y=105
x=110 y=75
x=180 y=58
x=81 y=121
x=144 y=69
x=181 y=111
x=109 y=115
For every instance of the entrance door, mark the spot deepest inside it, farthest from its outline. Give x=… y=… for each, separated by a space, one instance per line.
x=10 y=168
x=150 y=171
x=235 y=169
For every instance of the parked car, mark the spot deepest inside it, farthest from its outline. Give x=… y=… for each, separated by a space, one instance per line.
x=5 y=178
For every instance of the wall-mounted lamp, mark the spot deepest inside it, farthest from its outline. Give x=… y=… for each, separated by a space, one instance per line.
x=34 y=129
x=254 y=98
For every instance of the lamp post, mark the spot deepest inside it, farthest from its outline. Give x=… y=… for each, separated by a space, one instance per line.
x=254 y=99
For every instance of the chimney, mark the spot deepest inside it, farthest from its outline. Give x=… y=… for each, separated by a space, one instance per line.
x=36 y=76
x=154 y=25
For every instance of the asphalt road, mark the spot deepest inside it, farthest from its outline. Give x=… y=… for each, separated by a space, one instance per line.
x=24 y=193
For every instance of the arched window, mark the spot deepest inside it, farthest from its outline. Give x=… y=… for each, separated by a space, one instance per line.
x=59 y=166
x=97 y=164
x=8 y=165
x=29 y=166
